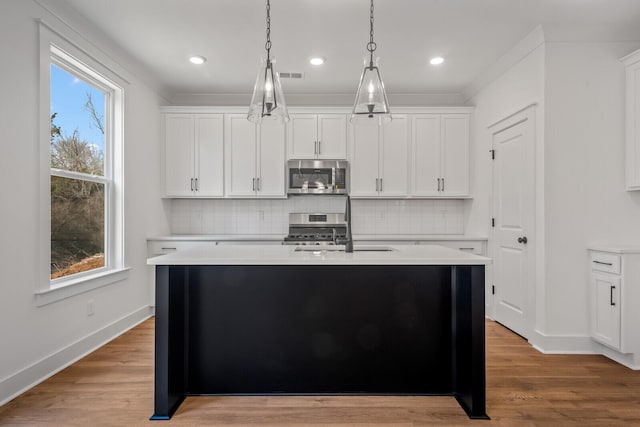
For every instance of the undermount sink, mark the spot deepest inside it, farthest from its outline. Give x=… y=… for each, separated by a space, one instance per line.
x=341 y=249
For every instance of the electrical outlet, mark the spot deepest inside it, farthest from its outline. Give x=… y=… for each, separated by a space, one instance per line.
x=90 y=308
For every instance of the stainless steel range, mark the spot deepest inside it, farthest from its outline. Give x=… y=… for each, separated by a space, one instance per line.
x=315 y=228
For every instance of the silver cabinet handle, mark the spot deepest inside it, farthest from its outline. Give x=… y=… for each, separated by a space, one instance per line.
x=315 y=148
x=197 y=185
x=381 y=186
x=438 y=184
x=253 y=185
x=191 y=184
x=169 y=249
x=442 y=184
x=377 y=188
x=603 y=263
x=319 y=147
x=258 y=181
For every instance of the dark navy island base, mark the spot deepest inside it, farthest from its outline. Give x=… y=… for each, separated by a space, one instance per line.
x=314 y=330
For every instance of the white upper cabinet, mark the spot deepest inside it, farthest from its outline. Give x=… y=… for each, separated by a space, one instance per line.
x=193 y=156
x=440 y=155
x=379 y=162
x=317 y=136
x=255 y=158
x=632 y=63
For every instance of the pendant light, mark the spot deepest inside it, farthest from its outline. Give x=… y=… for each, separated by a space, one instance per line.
x=267 y=101
x=371 y=98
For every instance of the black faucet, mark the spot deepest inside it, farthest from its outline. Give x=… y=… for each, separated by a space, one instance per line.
x=348 y=240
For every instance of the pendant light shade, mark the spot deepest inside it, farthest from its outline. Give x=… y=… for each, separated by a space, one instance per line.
x=267 y=102
x=371 y=98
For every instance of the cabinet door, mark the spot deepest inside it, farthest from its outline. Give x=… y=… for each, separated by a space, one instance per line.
x=302 y=135
x=178 y=154
x=240 y=156
x=455 y=155
x=426 y=156
x=332 y=136
x=271 y=163
x=393 y=157
x=209 y=152
x=605 y=308
x=364 y=159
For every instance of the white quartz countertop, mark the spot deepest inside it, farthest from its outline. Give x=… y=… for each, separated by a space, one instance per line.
x=269 y=237
x=617 y=249
x=320 y=255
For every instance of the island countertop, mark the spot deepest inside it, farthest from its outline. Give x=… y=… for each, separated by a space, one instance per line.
x=320 y=255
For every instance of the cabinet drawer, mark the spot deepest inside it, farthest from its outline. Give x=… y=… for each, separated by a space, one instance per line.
x=474 y=247
x=607 y=262
x=160 y=247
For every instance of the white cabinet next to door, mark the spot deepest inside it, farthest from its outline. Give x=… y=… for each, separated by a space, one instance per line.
x=193 y=157
x=632 y=64
x=317 y=136
x=379 y=158
x=254 y=155
x=615 y=297
x=440 y=155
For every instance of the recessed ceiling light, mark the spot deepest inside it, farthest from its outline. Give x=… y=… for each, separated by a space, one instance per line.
x=436 y=60
x=317 y=60
x=198 y=60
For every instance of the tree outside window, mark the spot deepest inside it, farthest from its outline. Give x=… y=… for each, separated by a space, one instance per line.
x=79 y=184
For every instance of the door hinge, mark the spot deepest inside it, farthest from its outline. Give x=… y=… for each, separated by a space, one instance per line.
x=493 y=222
x=493 y=289
x=493 y=154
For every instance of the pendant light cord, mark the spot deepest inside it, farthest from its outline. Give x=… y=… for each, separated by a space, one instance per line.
x=267 y=45
x=371 y=46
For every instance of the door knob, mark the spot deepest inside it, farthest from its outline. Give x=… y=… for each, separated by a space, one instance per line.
x=522 y=240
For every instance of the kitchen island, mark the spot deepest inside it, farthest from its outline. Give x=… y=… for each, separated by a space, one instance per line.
x=238 y=320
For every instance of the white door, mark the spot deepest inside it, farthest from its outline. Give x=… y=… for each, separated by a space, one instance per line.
x=240 y=156
x=178 y=155
x=455 y=155
x=271 y=163
x=425 y=158
x=605 y=310
x=209 y=155
x=364 y=159
x=302 y=136
x=393 y=157
x=332 y=136
x=513 y=212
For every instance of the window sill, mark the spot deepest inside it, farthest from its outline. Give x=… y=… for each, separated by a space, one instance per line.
x=80 y=285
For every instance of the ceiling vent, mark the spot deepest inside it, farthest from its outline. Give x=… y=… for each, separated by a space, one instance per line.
x=292 y=76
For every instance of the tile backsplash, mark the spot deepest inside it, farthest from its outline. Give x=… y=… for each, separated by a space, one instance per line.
x=262 y=216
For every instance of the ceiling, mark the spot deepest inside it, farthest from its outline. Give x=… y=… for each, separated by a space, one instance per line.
x=470 y=34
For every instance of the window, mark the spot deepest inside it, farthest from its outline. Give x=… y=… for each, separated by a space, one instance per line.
x=82 y=218
x=79 y=180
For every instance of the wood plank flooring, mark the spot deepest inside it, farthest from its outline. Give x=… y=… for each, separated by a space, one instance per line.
x=114 y=387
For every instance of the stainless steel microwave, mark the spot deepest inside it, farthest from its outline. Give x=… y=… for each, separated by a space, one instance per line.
x=317 y=177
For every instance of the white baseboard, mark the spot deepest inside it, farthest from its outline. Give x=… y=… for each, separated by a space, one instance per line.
x=562 y=344
x=13 y=386
x=631 y=361
x=580 y=344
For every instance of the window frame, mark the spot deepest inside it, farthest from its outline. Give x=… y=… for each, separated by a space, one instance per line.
x=55 y=49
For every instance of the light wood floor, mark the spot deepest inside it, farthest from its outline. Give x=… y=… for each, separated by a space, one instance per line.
x=114 y=387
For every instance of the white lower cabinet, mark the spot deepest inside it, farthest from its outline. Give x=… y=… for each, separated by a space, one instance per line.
x=254 y=158
x=614 y=291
